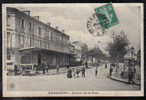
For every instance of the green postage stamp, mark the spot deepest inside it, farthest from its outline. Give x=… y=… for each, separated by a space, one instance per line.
x=107 y=16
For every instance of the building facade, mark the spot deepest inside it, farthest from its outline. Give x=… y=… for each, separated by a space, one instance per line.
x=77 y=50
x=30 y=41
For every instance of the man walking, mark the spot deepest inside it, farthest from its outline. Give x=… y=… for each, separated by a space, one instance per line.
x=57 y=68
x=83 y=71
x=111 y=69
x=69 y=73
x=96 y=71
x=43 y=66
x=105 y=66
x=86 y=64
x=77 y=72
x=15 y=69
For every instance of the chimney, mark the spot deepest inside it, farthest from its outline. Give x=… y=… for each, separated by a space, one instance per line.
x=36 y=17
x=27 y=12
x=57 y=27
x=49 y=24
x=63 y=31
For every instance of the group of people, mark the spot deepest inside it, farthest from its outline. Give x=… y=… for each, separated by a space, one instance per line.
x=75 y=72
x=40 y=67
x=43 y=66
x=131 y=71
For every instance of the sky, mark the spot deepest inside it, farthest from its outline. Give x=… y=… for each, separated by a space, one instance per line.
x=73 y=19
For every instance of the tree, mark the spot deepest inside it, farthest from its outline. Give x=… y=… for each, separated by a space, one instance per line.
x=97 y=53
x=118 y=48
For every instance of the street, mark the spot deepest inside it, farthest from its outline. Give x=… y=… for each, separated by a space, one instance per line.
x=62 y=83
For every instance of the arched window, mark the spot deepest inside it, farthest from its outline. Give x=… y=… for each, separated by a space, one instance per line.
x=22 y=23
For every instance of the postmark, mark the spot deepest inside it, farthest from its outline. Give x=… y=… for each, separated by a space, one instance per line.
x=93 y=26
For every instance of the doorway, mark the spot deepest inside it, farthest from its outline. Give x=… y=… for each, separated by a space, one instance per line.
x=39 y=59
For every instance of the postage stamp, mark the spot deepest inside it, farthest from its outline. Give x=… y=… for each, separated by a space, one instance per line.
x=84 y=50
x=107 y=16
x=103 y=18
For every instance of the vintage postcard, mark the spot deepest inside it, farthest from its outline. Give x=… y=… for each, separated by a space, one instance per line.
x=73 y=49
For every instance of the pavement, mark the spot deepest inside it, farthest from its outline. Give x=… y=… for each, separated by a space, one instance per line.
x=123 y=80
x=117 y=77
x=60 y=82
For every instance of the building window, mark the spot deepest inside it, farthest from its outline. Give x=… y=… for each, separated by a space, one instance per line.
x=51 y=36
x=39 y=30
x=9 y=45
x=8 y=20
x=40 y=43
x=30 y=26
x=8 y=54
x=22 y=41
x=30 y=42
x=22 y=23
x=9 y=40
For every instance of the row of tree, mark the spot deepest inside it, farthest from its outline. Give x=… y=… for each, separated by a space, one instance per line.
x=116 y=49
x=119 y=47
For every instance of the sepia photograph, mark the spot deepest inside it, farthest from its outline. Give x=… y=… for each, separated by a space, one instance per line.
x=73 y=49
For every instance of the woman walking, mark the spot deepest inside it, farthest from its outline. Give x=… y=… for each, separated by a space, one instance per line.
x=96 y=71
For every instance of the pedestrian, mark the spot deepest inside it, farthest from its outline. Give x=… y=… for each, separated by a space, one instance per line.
x=74 y=72
x=86 y=64
x=57 y=68
x=96 y=71
x=67 y=66
x=69 y=73
x=83 y=71
x=48 y=67
x=35 y=67
x=43 y=66
x=130 y=75
x=15 y=69
x=111 y=69
x=77 y=72
x=105 y=66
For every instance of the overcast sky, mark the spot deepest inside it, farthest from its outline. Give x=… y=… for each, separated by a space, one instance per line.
x=73 y=19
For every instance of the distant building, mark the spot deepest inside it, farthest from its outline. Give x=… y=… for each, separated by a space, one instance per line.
x=77 y=50
x=30 y=41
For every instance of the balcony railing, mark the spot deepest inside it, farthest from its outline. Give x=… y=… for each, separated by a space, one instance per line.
x=40 y=42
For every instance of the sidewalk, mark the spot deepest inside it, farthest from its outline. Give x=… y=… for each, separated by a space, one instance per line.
x=50 y=71
x=53 y=71
x=118 y=78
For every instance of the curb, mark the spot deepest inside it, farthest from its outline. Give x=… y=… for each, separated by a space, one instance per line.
x=126 y=82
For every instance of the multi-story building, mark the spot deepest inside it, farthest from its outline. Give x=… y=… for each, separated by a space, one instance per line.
x=30 y=41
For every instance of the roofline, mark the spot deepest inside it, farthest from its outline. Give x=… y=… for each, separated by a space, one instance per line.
x=44 y=49
x=17 y=10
